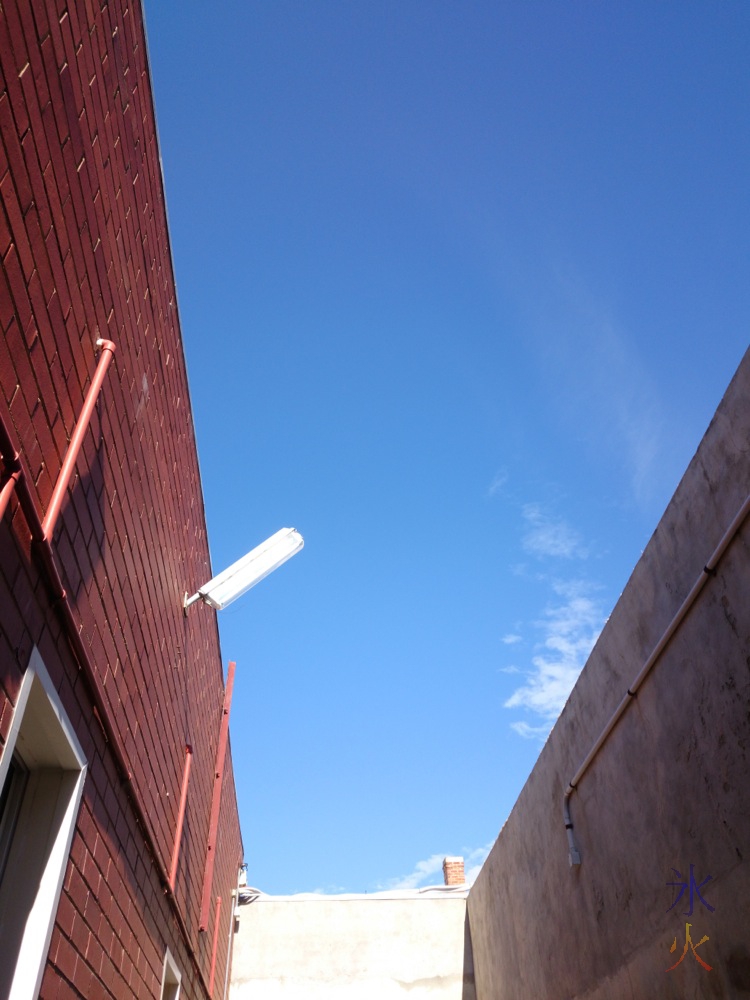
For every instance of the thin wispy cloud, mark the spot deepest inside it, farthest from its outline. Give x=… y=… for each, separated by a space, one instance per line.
x=520 y=570
x=498 y=483
x=566 y=630
x=531 y=732
x=423 y=873
x=570 y=626
x=607 y=378
x=547 y=535
x=511 y=639
x=430 y=870
x=473 y=861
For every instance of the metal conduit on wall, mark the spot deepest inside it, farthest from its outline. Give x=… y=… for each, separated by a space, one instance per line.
x=709 y=569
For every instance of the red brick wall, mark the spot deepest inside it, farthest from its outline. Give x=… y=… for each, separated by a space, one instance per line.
x=85 y=254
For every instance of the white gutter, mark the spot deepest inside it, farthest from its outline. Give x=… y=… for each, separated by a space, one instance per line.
x=708 y=570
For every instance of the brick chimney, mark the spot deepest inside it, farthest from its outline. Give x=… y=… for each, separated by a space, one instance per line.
x=453 y=871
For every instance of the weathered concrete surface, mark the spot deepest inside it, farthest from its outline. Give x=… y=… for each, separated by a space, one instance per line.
x=360 y=948
x=668 y=789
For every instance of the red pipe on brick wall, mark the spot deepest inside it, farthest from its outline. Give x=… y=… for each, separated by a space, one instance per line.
x=76 y=440
x=213 y=825
x=213 y=947
x=60 y=602
x=8 y=487
x=180 y=816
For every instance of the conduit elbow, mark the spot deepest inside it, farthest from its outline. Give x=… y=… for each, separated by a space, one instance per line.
x=106 y=345
x=574 y=855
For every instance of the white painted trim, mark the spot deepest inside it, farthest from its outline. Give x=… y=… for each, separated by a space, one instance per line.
x=170 y=966
x=67 y=791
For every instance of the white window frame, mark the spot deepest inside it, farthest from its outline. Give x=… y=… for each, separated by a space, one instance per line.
x=43 y=738
x=171 y=978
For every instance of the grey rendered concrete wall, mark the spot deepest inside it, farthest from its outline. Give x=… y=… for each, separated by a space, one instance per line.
x=360 y=949
x=669 y=788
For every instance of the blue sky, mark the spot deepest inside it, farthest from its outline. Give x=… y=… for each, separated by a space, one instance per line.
x=461 y=286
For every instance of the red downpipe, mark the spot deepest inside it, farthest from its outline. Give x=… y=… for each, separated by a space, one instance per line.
x=180 y=816
x=8 y=487
x=213 y=825
x=76 y=440
x=213 y=948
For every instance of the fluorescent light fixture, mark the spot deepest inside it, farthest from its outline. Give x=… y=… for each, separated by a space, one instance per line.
x=251 y=569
